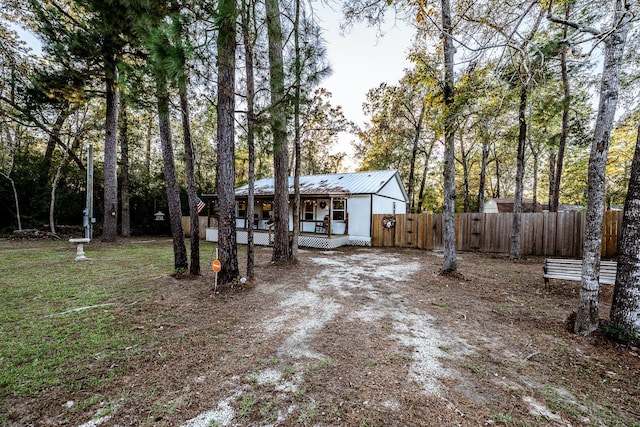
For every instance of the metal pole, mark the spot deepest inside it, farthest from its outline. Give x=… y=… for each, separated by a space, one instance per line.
x=215 y=282
x=88 y=231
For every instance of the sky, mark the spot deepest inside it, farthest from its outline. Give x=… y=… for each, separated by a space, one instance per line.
x=361 y=61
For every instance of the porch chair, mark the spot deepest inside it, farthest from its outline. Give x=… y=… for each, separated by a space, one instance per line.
x=323 y=227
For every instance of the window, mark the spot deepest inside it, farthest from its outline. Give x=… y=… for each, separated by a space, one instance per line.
x=309 y=210
x=338 y=209
x=266 y=211
x=242 y=210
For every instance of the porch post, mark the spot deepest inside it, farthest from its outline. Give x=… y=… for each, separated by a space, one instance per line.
x=346 y=221
x=330 y=216
x=300 y=215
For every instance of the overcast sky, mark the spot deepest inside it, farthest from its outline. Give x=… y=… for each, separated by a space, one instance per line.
x=360 y=62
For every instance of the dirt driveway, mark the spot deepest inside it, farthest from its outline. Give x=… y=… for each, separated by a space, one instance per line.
x=369 y=337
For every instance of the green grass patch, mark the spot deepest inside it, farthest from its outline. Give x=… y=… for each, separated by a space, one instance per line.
x=308 y=414
x=67 y=323
x=322 y=363
x=480 y=370
x=247 y=406
x=370 y=363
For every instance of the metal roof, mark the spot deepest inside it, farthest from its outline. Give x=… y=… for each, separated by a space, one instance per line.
x=340 y=184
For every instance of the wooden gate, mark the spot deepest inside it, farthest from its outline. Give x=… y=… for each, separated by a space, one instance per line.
x=411 y=225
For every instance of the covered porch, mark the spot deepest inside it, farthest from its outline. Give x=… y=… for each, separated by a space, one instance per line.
x=325 y=215
x=323 y=222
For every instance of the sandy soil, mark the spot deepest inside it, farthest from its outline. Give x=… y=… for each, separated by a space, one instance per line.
x=363 y=337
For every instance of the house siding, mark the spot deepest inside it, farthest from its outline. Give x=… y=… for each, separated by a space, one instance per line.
x=359 y=210
x=387 y=205
x=392 y=190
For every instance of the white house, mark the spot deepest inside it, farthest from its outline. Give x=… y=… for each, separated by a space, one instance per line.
x=335 y=210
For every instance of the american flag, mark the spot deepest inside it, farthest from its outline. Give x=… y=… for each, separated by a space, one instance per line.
x=201 y=204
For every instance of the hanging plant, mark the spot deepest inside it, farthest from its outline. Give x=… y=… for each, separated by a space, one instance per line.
x=389 y=221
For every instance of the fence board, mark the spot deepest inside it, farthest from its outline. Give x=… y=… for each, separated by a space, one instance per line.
x=611 y=232
x=202 y=228
x=568 y=233
x=399 y=233
x=470 y=232
x=497 y=232
x=421 y=232
x=527 y=234
x=382 y=236
x=411 y=230
x=549 y=233
x=538 y=230
x=437 y=232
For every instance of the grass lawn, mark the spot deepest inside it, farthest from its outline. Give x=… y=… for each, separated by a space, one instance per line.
x=62 y=322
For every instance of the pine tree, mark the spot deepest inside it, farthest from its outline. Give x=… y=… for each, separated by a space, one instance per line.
x=281 y=250
x=225 y=169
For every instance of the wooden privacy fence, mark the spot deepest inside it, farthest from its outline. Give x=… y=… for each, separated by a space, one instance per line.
x=542 y=233
x=202 y=229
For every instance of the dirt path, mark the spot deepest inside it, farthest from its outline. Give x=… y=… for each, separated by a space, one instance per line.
x=376 y=337
x=331 y=322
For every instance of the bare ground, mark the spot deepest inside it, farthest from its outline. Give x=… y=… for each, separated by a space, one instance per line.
x=362 y=337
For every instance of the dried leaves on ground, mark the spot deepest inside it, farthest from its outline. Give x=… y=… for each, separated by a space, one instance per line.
x=356 y=337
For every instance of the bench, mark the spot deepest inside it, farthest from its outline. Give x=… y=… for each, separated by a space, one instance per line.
x=571 y=269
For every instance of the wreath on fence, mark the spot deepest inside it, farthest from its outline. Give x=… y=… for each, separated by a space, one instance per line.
x=389 y=221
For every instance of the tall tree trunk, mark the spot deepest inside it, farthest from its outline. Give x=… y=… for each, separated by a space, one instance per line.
x=625 y=307
x=248 y=39
x=54 y=187
x=147 y=148
x=423 y=181
x=110 y=199
x=564 y=132
x=466 y=200
x=296 y=129
x=183 y=91
x=536 y=160
x=13 y=144
x=279 y=131
x=552 y=177
x=125 y=220
x=516 y=247
x=497 y=193
x=414 y=157
x=194 y=265
x=15 y=198
x=587 y=315
x=483 y=166
x=450 y=262
x=180 y=263
x=225 y=168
